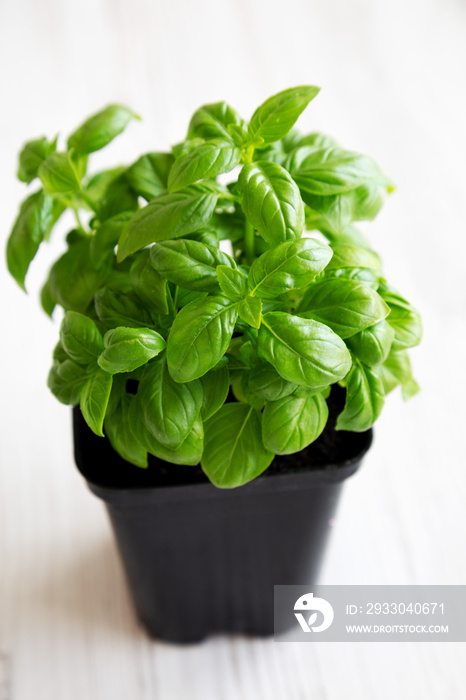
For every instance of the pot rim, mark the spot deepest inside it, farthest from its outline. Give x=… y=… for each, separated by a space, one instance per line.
x=292 y=479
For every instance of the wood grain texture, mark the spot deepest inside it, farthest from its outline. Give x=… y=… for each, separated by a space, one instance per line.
x=393 y=86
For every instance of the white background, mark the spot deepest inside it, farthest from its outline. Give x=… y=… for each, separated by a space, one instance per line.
x=392 y=78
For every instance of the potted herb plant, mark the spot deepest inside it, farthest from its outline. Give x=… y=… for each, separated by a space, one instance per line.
x=221 y=331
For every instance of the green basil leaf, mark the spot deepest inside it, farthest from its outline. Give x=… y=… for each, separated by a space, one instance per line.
x=76 y=235
x=346 y=306
x=291 y=265
x=35 y=220
x=118 y=281
x=364 y=399
x=328 y=214
x=241 y=392
x=209 y=237
x=185 y=147
x=119 y=198
x=238 y=385
x=228 y=225
x=190 y=264
x=59 y=354
x=167 y=409
x=233 y=283
x=211 y=121
x=115 y=309
x=366 y=202
x=303 y=351
x=94 y=400
x=47 y=301
x=334 y=213
x=148 y=176
x=327 y=171
x=186 y=296
x=188 y=453
x=304 y=391
x=80 y=338
x=74 y=280
x=118 y=393
x=100 y=129
x=32 y=156
x=118 y=431
x=66 y=381
x=58 y=174
x=239 y=134
x=248 y=352
x=233 y=449
x=404 y=319
x=250 y=311
x=397 y=370
x=350 y=236
x=227 y=199
x=165 y=217
x=271 y=201
x=126 y=349
x=211 y=186
x=207 y=160
x=317 y=140
x=273 y=152
x=289 y=142
x=106 y=237
x=148 y=284
x=359 y=274
x=200 y=336
x=99 y=183
x=292 y=423
x=264 y=381
x=353 y=256
x=373 y=344
x=275 y=117
x=216 y=385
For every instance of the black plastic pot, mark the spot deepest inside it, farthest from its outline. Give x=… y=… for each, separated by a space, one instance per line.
x=201 y=560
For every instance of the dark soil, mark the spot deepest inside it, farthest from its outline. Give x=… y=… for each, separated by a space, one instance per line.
x=106 y=468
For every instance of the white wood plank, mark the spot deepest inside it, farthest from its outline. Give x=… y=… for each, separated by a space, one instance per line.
x=392 y=77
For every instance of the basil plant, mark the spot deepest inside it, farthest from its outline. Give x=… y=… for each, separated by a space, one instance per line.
x=206 y=318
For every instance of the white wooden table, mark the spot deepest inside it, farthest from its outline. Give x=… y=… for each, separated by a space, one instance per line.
x=393 y=86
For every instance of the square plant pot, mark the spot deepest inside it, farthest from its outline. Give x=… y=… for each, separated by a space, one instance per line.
x=201 y=560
